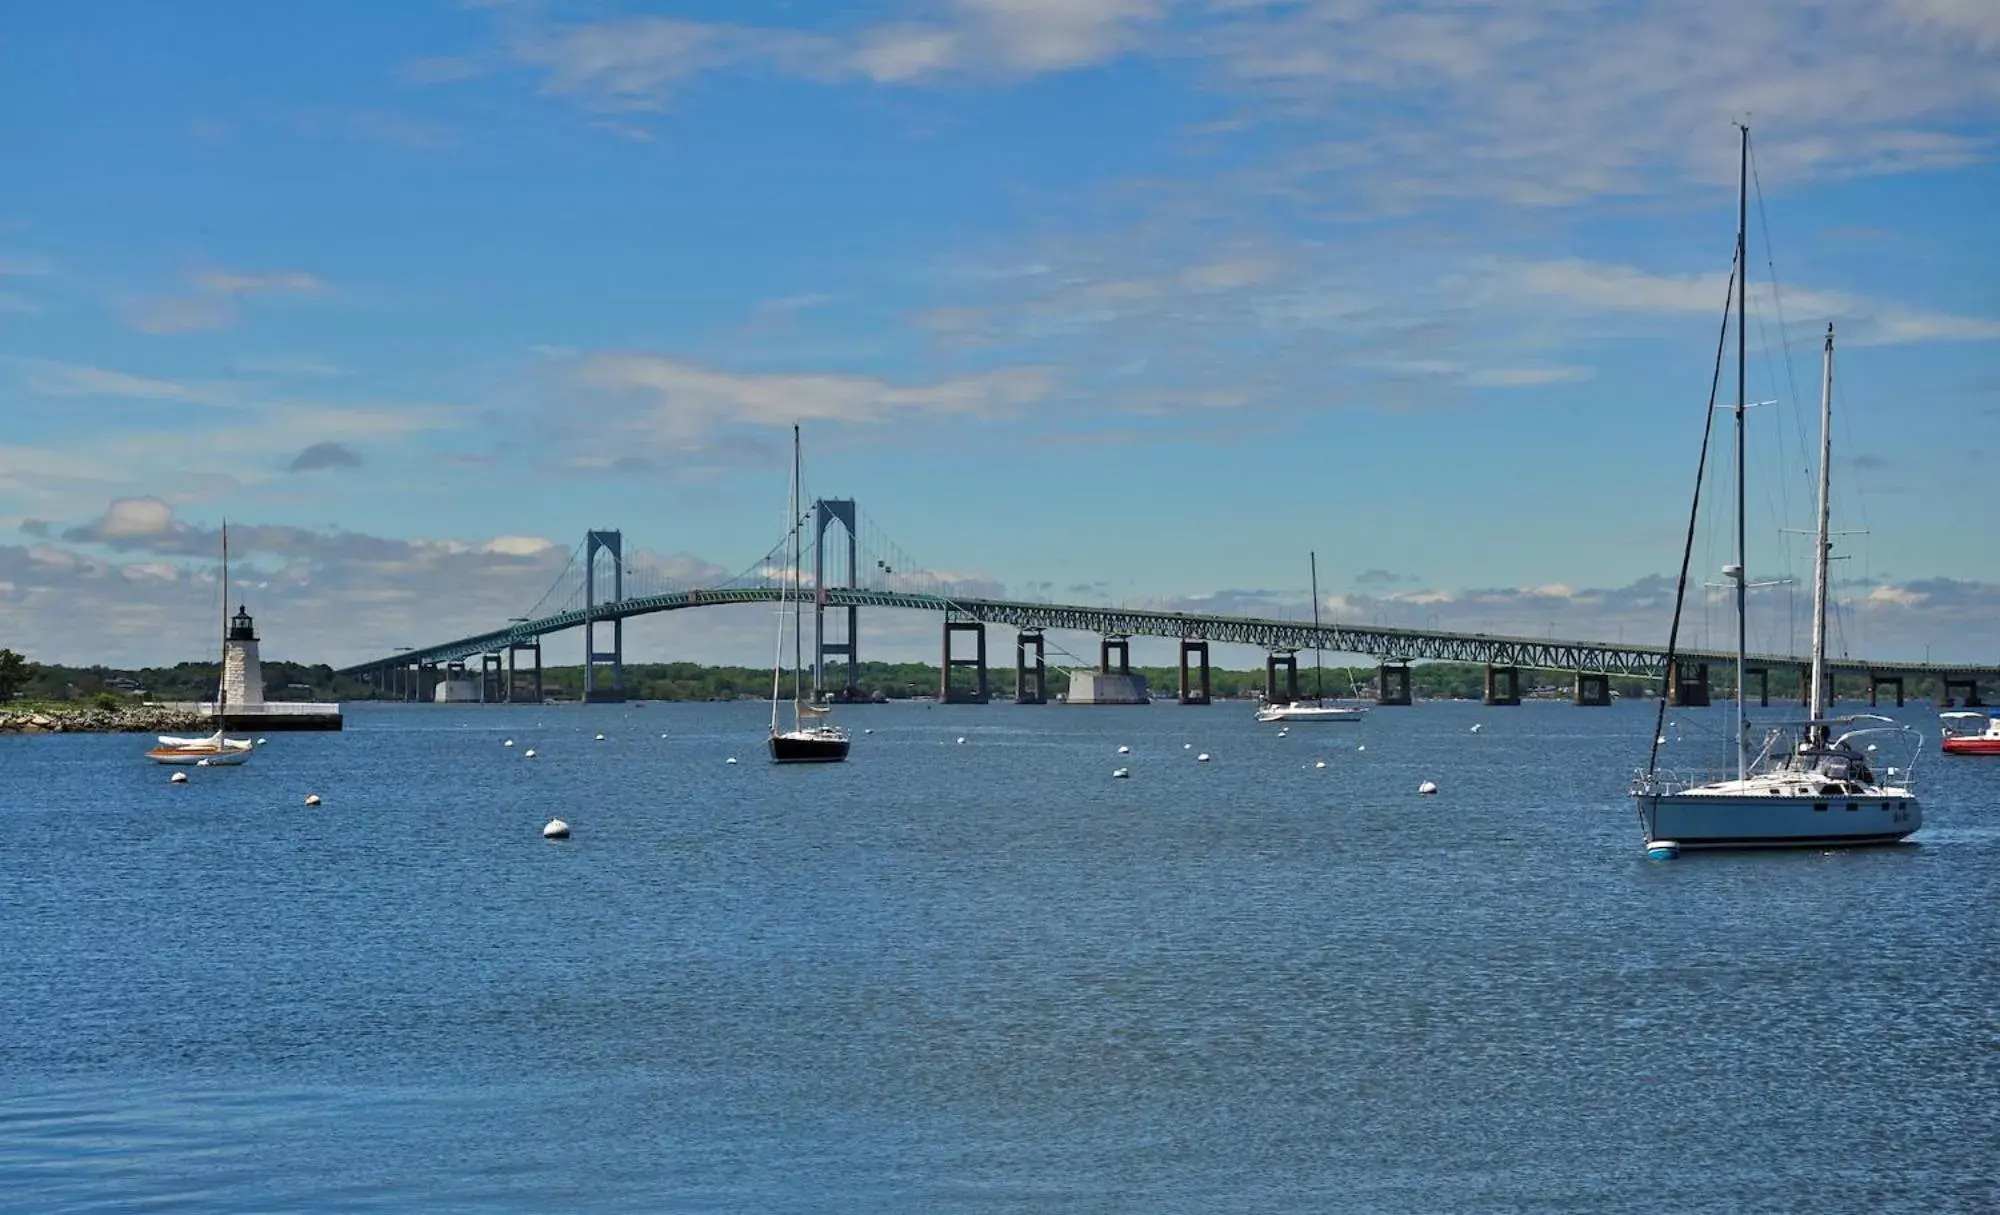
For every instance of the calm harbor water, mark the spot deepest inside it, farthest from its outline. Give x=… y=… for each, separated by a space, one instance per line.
x=980 y=976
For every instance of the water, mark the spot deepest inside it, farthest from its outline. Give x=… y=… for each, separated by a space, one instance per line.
x=974 y=977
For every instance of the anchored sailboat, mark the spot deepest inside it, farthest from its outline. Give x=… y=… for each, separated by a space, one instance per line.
x=215 y=749
x=1318 y=710
x=1810 y=786
x=812 y=738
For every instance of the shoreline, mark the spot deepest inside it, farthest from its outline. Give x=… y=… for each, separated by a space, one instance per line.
x=136 y=719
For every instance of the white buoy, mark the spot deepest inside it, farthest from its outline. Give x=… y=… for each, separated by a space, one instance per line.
x=600 y=738
x=1661 y=741
x=1362 y=747
x=178 y=778
x=1187 y=746
x=1662 y=850
x=1121 y=773
x=508 y=743
x=1124 y=750
x=961 y=738
x=528 y=754
x=869 y=730
x=730 y=760
x=556 y=830
x=312 y=799
x=1428 y=787
x=1475 y=727
x=201 y=763
x=662 y=736
x=1202 y=758
x=1871 y=746
x=261 y=741
x=1320 y=764
x=1282 y=733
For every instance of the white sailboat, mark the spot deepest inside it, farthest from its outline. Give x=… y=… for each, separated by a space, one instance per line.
x=1811 y=785
x=216 y=749
x=812 y=739
x=1318 y=710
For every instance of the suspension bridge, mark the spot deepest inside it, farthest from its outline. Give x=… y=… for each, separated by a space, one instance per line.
x=599 y=589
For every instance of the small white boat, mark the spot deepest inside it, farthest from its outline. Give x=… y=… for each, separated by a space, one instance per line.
x=1300 y=710
x=234 y=744
x=209 y=752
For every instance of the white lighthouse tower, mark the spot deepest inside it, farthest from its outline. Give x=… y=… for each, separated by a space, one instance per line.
x=242 y=674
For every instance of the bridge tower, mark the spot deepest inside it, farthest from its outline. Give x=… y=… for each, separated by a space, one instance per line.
x=613 y=543
x=826 y=512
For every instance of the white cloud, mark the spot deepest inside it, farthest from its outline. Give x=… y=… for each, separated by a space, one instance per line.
x=213 y=304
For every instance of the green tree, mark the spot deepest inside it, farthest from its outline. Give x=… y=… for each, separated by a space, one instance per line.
x=13 y=673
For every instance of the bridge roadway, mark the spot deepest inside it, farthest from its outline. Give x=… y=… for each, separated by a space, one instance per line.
x=1388 y=644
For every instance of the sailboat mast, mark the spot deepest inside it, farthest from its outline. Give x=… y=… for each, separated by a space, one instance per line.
x=1319 y=694
x=1822 y=544
x=798 y=594
x=1742 y=546
x=222 y=672
x=784 y=593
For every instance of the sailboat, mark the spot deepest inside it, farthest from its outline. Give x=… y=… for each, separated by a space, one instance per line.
x=812 y=739
x=216 y=749
x=1811 y=785
x=1318 y=710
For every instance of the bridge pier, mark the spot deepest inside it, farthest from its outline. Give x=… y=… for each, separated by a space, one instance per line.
x=492 y=678
x=1119 y=644
x=513 y=678
x=1593 y=690
x=1031 y=684
x=1193 y=647
x=1687 y=684
x=1289 y=660
x=1951 y=688
x=826 y=512
x=1763 y=677
x=1392 y=684
x=613 y=543
x=946 y=692
x=1503 y=685
x=1876 y=682
x=427 y=682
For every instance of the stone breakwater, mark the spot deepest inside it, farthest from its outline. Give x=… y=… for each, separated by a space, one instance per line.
x=135 y=720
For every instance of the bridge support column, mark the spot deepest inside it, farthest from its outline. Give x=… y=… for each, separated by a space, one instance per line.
x=1120 y=645
x=1593 y=689
x=1763 y=677
x=1289 y=660
x=1687 y=684
x=492 y=678
x=1969 y=685
x=826 y=512
x=1191 y=694
x=1031 y=684
x=1392 y=684
x=1877 y=682
x=1503 y=685
x=515 y=648
x=612 y=543
x=946 y=692
x=427 y=681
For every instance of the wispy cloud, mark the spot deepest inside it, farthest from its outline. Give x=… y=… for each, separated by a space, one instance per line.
x=213 y=303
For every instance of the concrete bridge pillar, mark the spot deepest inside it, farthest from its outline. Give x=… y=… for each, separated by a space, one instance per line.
x=1289 y=660
x=946 y=692
x=1593 y=689
x=1687 y=684
x=1191 y=694
x=427 y=681
x=1876 y=682
x=1115 y=645
x=1503 y=685
x=1031 y=684
x=514 y=692
x=1392 y=684
x=1968 y=685
x=827 y=512
x=1763 y=677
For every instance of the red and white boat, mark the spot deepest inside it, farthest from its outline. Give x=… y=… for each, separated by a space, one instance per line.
x=1971 y=733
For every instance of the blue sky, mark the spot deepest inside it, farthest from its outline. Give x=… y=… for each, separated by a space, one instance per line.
x=1124 y=300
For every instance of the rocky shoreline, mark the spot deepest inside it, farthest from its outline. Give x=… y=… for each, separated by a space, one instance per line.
x=141 y=719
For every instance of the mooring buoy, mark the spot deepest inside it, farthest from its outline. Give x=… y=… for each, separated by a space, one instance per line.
x=556 y=830
x=312 y=799
x=178 y=778
x=1427 y=788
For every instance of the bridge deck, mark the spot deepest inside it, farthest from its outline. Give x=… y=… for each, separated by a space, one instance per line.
x=1382 y=643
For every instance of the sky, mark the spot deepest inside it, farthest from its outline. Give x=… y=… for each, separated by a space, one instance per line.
x=1102 y=301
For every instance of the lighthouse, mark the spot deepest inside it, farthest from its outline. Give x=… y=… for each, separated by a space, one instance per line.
x=242 y=674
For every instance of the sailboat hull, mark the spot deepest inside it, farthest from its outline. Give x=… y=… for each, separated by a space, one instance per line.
x=807 y=748
x=1778 y=821
x=205 y=755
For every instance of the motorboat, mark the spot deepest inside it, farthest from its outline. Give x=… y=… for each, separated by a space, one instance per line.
x=1301 y=710
x=1971 y=733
